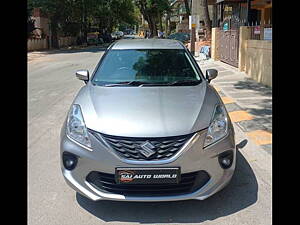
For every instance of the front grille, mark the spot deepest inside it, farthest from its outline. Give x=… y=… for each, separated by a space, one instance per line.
x=130 y=148
x=189 y=183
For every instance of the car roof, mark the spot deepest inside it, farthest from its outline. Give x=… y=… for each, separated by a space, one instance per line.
x=151 y=43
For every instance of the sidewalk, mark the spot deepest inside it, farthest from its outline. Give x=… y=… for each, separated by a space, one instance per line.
x=248 y=103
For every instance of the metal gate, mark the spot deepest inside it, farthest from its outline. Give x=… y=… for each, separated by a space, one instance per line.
x=229 y=40
x=229 y=47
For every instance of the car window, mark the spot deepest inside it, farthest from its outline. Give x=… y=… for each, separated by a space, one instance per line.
x=154 y=66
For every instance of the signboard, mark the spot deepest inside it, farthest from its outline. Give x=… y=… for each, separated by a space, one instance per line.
x=268 y=34
x=193 y=21
x=225 y=26
x=257 y=30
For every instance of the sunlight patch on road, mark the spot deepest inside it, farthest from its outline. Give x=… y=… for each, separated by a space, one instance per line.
x=227 y=100
x=260 y=137
x=237 y=116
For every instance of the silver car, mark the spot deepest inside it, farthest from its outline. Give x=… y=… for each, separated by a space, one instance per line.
x=147 y=126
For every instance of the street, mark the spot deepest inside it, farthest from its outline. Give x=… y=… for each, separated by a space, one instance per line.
x=52 y=86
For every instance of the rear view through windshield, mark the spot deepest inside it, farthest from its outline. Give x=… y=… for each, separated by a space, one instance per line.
x=164 y=66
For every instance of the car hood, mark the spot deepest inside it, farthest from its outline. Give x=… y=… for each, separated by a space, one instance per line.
x=147 y=111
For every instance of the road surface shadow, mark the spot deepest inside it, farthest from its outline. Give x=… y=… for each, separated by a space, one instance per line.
x=252 y=85
x=238 y=195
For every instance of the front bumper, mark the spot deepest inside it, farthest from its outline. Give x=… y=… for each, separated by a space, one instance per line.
x=191 y=158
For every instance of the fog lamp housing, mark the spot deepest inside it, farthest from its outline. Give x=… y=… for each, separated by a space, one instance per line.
x=69 y=160
x=226 y=159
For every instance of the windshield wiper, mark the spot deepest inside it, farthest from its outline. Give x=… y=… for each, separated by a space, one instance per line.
x=154 y=84
x=141 y=83
x=126 y=83
x=184 y=82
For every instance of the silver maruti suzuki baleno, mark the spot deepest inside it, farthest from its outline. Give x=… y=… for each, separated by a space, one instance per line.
x=147 y=126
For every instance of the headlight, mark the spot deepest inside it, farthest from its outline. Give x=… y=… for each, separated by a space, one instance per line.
x=76 y=128
x=218 y=126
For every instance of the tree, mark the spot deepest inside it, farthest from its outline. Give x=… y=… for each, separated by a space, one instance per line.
x=207 y=23
x=152 y=11
x=73 y=17
x=57 y=12
x=30 y=21
x=110 y=14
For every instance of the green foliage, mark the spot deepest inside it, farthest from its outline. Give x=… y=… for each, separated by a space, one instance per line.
x=70 y=28
x=71 y=16
x=152 y=11
x=30 y=22
x=153 y=7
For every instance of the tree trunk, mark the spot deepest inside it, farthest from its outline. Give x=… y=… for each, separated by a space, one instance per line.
x=160 y=22
x=54 y=38
x=84 y=21
x=167 y=24
x=187 y=8
x=149 y=17
x=204 y=8
x=153 y=28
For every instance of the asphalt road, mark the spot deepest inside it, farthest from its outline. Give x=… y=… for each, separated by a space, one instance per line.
x=51 y=88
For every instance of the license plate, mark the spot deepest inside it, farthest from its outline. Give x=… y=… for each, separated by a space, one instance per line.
x=147 y=175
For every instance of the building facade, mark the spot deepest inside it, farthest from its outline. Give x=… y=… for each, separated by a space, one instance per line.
x=41 y=23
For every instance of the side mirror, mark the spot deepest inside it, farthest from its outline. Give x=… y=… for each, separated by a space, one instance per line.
x=83 y=75
x=211 y=74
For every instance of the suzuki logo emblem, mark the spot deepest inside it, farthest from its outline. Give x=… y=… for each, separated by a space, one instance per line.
x=147 y=149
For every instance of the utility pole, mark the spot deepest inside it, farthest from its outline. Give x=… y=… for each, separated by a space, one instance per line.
x=193 y=39
x=248 y=11
x=192 y=27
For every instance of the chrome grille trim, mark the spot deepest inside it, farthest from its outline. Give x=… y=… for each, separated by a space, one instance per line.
x=184 y=148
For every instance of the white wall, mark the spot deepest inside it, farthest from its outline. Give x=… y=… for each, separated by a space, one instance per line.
x=36 y=44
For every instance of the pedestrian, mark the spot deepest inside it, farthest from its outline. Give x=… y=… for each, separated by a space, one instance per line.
x=148 y=34
x=160 y=34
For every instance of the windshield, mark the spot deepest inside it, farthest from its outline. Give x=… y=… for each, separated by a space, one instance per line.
x=137 y=67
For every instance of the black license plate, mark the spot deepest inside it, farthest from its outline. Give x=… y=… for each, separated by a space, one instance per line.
x=147 y=175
